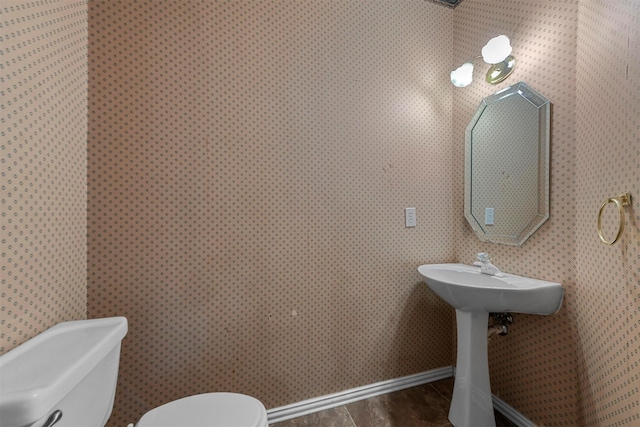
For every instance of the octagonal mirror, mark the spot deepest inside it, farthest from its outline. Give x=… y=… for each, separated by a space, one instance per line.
x=507 y=166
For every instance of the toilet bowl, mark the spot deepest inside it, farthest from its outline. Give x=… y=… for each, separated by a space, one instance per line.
x=67 y=376
x=208 y=410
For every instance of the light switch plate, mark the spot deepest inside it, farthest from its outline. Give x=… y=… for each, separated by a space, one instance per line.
x=410 y=217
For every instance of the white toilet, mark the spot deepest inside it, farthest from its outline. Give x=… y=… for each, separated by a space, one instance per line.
x=67 y=376
x=208 y=410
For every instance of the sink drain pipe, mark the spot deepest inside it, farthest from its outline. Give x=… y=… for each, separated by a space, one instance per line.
x=498 y=325
x=497 y=330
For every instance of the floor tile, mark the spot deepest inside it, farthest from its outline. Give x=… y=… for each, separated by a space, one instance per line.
x=420 y=406
x=335 y=417
x=444 y=387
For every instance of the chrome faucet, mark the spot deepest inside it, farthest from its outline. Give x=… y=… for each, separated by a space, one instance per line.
x=484 y=262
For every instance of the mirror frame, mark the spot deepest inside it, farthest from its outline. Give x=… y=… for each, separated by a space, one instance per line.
x=542 y=107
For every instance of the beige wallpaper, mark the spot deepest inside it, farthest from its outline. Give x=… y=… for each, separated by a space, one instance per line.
x=534 y=367
x=43 y=129
x=579 y=366
x=608 y=277
x=248 y=168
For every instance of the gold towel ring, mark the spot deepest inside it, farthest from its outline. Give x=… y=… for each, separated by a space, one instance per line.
x=620 y=200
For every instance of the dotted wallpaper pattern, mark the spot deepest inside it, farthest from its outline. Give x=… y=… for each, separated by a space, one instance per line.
x=533 y=368
x=249 y=166
x=579 y=366
x=43 y=131
x=608 y=130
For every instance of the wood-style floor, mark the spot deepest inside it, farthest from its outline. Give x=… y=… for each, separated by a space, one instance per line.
x=422 y=406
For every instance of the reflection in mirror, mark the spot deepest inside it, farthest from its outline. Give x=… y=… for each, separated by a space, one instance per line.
x=507 y=166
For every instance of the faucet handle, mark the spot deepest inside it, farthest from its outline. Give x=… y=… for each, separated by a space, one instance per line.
x=483 y=257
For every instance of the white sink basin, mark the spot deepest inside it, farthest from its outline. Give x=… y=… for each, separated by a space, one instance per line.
x=466 y=289
x=474 y=295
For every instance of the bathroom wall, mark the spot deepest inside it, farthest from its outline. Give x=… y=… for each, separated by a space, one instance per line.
x=533 y=368
x=43 y=126
x=579 y=366
x=608 y=162
x=249 y=166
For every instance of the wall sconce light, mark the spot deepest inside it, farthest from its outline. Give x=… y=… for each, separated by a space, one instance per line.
x=497 y=53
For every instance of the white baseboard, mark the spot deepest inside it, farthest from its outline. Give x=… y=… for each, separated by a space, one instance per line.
x=321 y=403
x=329 y=401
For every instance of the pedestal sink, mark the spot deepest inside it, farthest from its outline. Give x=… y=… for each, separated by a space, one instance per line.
x=474 y=295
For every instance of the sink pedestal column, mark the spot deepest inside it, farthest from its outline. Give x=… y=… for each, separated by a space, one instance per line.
x=471 y=404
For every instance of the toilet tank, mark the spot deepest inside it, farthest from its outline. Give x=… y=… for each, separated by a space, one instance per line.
x=71 y=368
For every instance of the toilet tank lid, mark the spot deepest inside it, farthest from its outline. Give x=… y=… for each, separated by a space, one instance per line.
x=37 y=374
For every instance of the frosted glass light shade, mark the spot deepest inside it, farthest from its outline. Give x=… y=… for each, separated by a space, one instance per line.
x=496 y=50
x=463 y=75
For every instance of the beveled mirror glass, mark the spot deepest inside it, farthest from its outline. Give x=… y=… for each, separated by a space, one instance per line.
x=507 y=166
